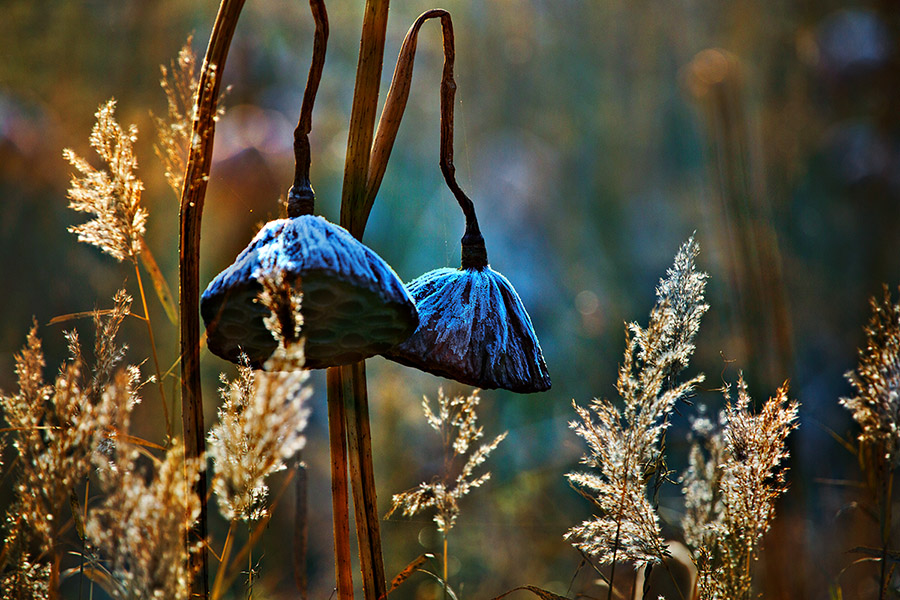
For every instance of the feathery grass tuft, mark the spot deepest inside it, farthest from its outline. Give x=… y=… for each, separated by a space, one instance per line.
x=264 y=413
x=113 y=196
x=179 y=82
x=142 y=523
x=876 y=406
x=625 y=443
x=730 y=489
x=456 y=422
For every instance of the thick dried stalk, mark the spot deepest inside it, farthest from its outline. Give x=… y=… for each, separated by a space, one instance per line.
x=193 y=194
x=354 y=214
x=340 y=499
x=362 y=478
x=354 y=208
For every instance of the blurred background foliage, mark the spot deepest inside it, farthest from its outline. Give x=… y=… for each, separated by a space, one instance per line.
x=594 y=138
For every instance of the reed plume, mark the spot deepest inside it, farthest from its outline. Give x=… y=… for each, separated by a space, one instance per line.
x=734 y=476
x=263 y=413
x=112 y=195
x=456 y=421
x=624 y=443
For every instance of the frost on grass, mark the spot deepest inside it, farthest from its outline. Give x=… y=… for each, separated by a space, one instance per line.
x=876 y=405
x=736 y=472
x=457 y=423
x=264 y=413
x=624 y=442
x=111 y=195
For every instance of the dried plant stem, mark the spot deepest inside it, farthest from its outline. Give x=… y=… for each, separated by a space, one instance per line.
x=301 y=530
x=219 y=583
x=159 y=379
x=887 y=485
x=159 y=282
x=354 y=214
x=446 y=570
x=193 y=194
x=362 y=479
x=354 y=208
x=340 y=500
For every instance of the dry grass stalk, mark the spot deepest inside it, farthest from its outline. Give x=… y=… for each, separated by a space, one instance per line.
x=56 y=428
x=260 y=427
x=876 y=409
x=113 y=196
x=58 y=425
x=140 y=526
x=625 y=443
x=456 y=422
x=730 y=490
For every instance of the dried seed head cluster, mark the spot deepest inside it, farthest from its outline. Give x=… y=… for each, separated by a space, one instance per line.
x=143 y=521
x=624 y=443
x=113 y=196
x=58 y=425
x=179 y=82
x=260 y=427
x=28 y=581
x=264 y=413
x=730 y=489
x=876 y=406
x=457 y=423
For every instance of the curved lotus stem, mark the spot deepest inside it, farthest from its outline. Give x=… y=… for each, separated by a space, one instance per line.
x=474 y=254
x=301 y=197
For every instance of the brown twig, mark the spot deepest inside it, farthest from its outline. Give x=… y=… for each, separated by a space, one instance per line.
x=193 y=194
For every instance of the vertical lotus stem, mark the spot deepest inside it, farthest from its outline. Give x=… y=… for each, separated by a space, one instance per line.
x=340 y=500
x=193 y=194
x=362 y=478
x=354 y=214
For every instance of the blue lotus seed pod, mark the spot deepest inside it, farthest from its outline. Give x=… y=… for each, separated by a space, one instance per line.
x=473 y=328
x=354 y=305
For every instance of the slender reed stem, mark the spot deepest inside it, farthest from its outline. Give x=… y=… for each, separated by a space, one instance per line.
x=159 y=379
x=193 y=195
x=301 y=530
x=340 y=499
x=219 y=583
x=445 y=567
x=887 y=485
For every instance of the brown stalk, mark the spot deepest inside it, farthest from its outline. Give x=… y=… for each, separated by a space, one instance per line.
x=340 y=499
x=362 y=476
x=351 y=379
x=354 y=210
x=193 y=194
